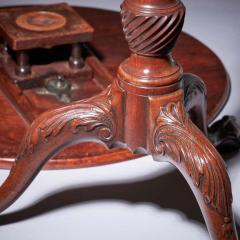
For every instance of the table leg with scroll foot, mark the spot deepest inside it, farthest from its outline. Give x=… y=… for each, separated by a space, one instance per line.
x=186 y=147
x=83 y=121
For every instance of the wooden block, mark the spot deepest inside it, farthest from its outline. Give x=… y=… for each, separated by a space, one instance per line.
x=43 y=26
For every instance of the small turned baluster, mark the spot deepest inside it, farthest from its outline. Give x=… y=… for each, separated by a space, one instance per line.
x=4 y=47
x=75 y=60
x=23 y=67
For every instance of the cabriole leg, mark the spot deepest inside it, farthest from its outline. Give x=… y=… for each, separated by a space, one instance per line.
x=176 y=137
x=83 y=121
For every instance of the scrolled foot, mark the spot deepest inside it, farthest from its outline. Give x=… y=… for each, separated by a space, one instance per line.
x=189 y=150
x=225 y=134
x=83 y=121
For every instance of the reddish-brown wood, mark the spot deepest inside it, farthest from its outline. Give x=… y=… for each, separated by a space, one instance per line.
x=195 y=101
x=46 y=26
x=143 y=108
x=107 y=34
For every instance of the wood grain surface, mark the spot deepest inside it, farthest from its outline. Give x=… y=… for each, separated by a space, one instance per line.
x=111 y=48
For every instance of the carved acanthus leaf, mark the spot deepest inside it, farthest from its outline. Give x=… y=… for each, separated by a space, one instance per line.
x=86 y=115
x=177 y=137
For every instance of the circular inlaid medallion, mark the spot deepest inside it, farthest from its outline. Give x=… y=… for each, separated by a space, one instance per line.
x=41 y=21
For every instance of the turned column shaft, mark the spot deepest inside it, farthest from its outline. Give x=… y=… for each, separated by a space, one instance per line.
x=151 y=29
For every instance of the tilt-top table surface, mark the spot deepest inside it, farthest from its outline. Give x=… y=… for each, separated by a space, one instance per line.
x=111 y=48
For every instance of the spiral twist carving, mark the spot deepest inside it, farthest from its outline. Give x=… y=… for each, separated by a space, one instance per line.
x=152 y=32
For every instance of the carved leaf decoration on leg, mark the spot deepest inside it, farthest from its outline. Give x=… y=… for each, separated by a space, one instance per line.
x=90 y=114
x=177 y=137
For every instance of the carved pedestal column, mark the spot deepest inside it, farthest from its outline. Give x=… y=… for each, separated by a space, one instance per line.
x=153 y=83
x=144 y=108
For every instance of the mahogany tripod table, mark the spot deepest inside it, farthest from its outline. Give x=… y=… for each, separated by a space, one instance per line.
x=150 y=107
x=108 y=32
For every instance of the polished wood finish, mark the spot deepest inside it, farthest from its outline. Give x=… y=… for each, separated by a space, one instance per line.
x=108 y=32
x=195 y=100
x=143 y=108
x=46 y=26
x=28 y=30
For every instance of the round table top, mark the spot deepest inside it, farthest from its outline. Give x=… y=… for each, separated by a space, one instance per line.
x=111 y=48
x=193 y=55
